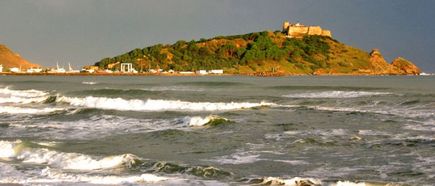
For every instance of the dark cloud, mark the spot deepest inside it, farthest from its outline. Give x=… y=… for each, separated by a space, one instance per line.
x=84 y=31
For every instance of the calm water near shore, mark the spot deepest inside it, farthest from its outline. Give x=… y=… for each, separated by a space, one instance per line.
x=217 y=130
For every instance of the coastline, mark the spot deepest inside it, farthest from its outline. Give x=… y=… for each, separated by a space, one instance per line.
x=190 y=75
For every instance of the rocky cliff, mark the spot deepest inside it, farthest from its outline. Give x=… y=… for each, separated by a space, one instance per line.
x=405 y=66
x=10 y=59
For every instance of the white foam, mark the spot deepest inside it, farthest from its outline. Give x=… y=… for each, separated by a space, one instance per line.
x=50 y=176
x=89 y=82
x=198 y=121
x=74 y=161
x=296 y=181
x=319 y=132
x=22 y=93
x=373 y=133
x=237 y=158
x=335 y=94
x=24 y=110
x=156 y=105
x=407 y=112
x=22 y=96
x=57 y=176
x=7 y=148
x=22 y=100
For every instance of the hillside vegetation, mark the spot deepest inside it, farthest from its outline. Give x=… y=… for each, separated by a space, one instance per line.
x=260 y=53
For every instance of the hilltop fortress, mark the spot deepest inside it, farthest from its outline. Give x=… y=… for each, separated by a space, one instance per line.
x=299 y=30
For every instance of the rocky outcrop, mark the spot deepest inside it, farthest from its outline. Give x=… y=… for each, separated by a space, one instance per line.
x=379 y=65
x=399 y=66
x=10 y=59
x=405 y=66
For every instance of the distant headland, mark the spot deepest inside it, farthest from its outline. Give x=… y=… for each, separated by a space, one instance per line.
x=295 y=50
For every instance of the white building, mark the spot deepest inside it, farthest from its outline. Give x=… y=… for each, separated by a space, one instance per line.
x=15 y=69
x=186 y=72
x=201 y=72
x=216 y=71
x=128 y=68
x=1 y=68
x=34 y=70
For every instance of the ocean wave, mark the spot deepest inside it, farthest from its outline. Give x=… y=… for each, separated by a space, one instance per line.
x=407 y=112
x=89 y=82
x=28 y=110
x=22 y=93
x=296 y=181
x=105 y=125
x=237 y=158
x=171 y=168
x=197 y=121
x=307 y=181
x=19 y=150
x=174 y=88
x=335 y=94
x=49 y=176
x=156 y=105
x=22 y=96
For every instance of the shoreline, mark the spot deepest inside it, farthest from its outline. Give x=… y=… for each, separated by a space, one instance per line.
x=192 y=75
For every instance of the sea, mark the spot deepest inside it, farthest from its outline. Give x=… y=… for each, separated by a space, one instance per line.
x=217 y=130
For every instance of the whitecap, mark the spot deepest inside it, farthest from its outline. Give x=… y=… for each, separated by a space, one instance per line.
x=17 y=150
x=335 y=94
x=407 y=112
x=22 y=93
x=296 y=181
x=156 y=105
x=28 y=110
x=237 y=158
x=22 y=96
x=50 y=176
x=198 y=121
x=89 y=82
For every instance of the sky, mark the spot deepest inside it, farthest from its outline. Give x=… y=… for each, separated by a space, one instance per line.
x=82 y=32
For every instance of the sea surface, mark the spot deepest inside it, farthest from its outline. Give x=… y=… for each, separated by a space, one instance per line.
x=223 y=130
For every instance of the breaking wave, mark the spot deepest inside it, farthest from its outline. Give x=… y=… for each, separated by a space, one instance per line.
x=174 y=88
x=21 y=96
x=23 y=110
x=155 y=105
x=89 y=83
x=298 y=181
x=407 y=112
x=198 y=121
x=50 y=176
x=19 y=150
x=335 y=94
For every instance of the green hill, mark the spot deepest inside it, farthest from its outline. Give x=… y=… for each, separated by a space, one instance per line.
x=259 y=53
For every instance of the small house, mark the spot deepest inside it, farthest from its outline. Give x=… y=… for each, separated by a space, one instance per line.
x=216 y=71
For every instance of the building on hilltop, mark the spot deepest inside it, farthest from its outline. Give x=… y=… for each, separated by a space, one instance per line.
x=299 y=30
